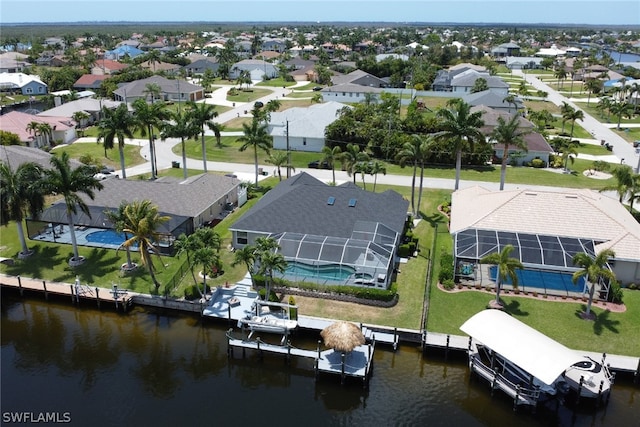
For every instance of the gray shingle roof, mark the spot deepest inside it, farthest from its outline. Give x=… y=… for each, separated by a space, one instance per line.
x=299 y=205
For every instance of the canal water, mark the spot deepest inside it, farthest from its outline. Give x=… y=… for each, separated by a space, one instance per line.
x=102 y=368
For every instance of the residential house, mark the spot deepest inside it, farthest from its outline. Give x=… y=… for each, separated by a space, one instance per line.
x=465 y=82
x=107 y=67
x=89 y=81
x=25 y=84
x=358 y=77
x=302 y=129
x=199 y=66
x=257 y=69
x=523 y=62
x=351 y=93
x=443 y=79
x=91 y=106
x=122 y=51
x=274 y=45
x=166 y=67
x=170 y=90
x=62 y=129
x=493 y=99
x=323 y=227
x=505 y=49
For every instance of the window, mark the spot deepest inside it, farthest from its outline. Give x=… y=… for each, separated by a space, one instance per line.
x=331 y=200
x=29 y=90
x=352 y=203
x=304 y=141
x=241 y=238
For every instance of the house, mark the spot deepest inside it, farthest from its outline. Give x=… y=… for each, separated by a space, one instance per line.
x=25 y=84
x=90 y=81
x=62 y=128
x=190 y=204
x=257 y=69
x=465 y=82
x=122 y=51
x=493 y=99
x=170 y=90
x=350 y=93
x=107 y=67
x=443 y=79
x=537 y=145
x=13 y=62
x=274 y=45
x=327 y=229
x=302 y=129
x=546 y=227
x=358 y=77
x=523 y=62
x=15 y=155
x=199 y=66
x=91 y=106
x=505 y=49
x=166 y=67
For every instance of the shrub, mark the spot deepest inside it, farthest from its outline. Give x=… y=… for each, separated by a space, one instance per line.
x=404 y=251
x=446 y=267
x=616 y=294
x=192 y=293
x=448 y=284
x=538 y=163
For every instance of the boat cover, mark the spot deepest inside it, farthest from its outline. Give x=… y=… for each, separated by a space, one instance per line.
x=520 y=344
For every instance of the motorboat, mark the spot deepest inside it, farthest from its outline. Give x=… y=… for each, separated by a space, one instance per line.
x=516 y=357
x=270 y=323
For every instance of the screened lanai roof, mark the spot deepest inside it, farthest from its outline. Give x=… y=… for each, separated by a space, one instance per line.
x=333 y=250
x=533 y=249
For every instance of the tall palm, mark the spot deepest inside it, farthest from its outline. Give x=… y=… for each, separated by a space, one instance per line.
x=270 y=262
x=187 y=245
x=572 y=117
x=350 y=158
x=426 y=144
x=117 y=218
x=377 y=167
x=209 y=259
x=180 y=126
x=331 y=155
x=509 y=134
x=410 y=155
x=624 y=177
x=246 y=256
x=201 y=116
x=46 y=132
x=621 y=109
x=593 y=270
x=507 y=268
x=81 y=118
x=461 y=128
x=593 y=86
x=255 y=136
x=141 y=221
x=634 y=191
x=20 y=195
x=280 y=159
x=566 y=111
x=116 y=124
x=69 y=183
x=153 y=90
x=217 y=133
x=147 y=118
x=32 y=129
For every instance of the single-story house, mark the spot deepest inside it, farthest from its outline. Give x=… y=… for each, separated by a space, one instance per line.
x=200 y=200
x=523 y=62
x=350 y=93
x=26 y=84
x=464 y=82
x=62 y=128
x=122 y=51
x=303 y=128
x=91 y=106
x=90 y=81
x=493 y=99
x=547 y=228
x=328 y=234
x=257 y=68
x=537 y=145
x=505 y=49
x=443 y=79
x=107 y=67
x=358 y=77
x=170 y=90
x=198 y=67
x=15 y=155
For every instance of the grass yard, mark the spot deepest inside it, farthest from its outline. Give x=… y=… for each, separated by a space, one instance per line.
x=132 y=155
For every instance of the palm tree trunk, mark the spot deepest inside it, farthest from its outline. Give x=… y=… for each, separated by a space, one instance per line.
x=498 y=285
x=503 y=167
x=149 y=263
x=152 y=152
x=420 y=190
x=375 y=181
x=255 y=161
x=72 y=232
x=184 y=158
x=121 y=152
x=413 y=190
x=333 y=171
x=23 y=241
x=592 y=290
x=458 y=167
x=204 y=153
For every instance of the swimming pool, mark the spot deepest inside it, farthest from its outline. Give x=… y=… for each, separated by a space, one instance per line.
x=334 y=272
x=106 y=237
x=552 y=281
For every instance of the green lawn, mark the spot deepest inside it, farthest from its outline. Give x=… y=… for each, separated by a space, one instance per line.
x=132 y=155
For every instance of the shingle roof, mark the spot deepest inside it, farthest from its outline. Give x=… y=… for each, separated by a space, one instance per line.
x=299 y=205
x=308 y=122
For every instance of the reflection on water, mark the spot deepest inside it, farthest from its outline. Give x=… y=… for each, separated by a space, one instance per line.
x=151 y=369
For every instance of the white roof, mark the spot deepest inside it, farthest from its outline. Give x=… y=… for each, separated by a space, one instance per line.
x=305 y=122
x=19 y=79
x=524 y=346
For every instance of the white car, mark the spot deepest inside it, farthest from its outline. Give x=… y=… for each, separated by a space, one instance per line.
x=104 y=175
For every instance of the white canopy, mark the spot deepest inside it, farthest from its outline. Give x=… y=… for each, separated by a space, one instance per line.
x=522 y=345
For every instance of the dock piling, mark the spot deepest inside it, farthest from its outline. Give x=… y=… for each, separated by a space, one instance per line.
x=20 y=286
x=44 y=286
x=98 y=296
x=73 y=298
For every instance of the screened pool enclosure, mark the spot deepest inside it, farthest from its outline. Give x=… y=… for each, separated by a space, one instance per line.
x=365 y=259
x=548 y=260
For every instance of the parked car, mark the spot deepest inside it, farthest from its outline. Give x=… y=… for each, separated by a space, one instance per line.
x=317 y=88
x=101 y=176
x=317 y=164
x=258 y=104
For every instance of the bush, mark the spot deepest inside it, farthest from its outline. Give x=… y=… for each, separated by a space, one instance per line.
x=404 y=251
x=193 y=293
x=448 y=284
x=616 y=294
x=538 y=163
x=446 y=267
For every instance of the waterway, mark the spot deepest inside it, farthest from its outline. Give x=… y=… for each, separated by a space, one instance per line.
x=102 y=368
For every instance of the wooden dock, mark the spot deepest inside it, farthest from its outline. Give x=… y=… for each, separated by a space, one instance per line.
x=120 y=299
x=357 y=363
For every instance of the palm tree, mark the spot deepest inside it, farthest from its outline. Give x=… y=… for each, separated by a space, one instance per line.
x=569 y=151
x=80 y=117
x=141 y=221
x=64 y=181
x=246 y=256
x=410 y=154
x=509 y=134
x=377 y=167
x=256 y=136
x=20 y=194
x=593 y=86
x=209 y=259
x=217 y=133
x=280 y=159
x=153 y=90
x=461 y=128
x=117 y=219
x=331 y=156
x=621 y=109
x=201 y=116
x=350 y=159
x=32 y=128
x=594 y=270
x=116 y=124
x=572 y=117
x=506 y=266
x=269 y=262
x=181 y=127
x=561 y=74
x=624 y=177
x=147 y=118
x=634 y=191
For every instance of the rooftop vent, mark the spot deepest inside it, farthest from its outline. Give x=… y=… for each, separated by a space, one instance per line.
x=352 y=203
x=331 y=200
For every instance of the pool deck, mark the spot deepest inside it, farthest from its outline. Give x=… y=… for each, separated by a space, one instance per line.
x=53 y=235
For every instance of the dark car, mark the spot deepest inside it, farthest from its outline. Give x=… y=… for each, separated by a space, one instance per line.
x=317 y=164
x=258 y=104
x=317 y=88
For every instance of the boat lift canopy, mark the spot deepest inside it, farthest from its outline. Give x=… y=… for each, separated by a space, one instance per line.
x=520 y=344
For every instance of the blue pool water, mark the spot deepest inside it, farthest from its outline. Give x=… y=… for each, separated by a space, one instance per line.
x=324 y=272
x=549 y=280
x=107 y=237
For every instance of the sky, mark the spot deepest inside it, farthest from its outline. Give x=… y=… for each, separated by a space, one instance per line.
x=592 y=12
